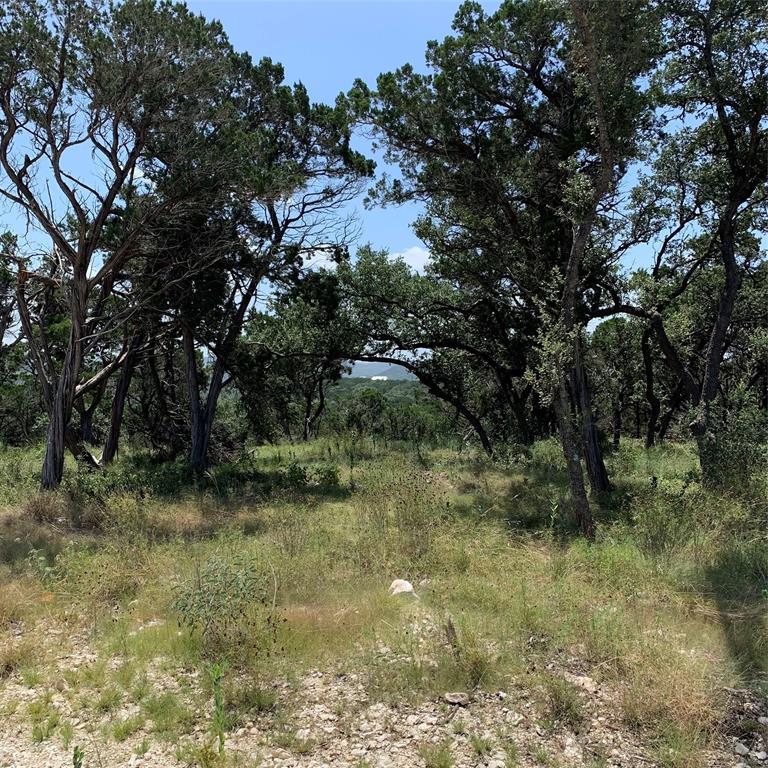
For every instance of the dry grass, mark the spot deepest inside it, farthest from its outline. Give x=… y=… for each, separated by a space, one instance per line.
x=479 y=543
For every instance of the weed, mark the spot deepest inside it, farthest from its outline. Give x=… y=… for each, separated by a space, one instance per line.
x=215 y=673
x=482 y=744
x=43 y=716
x=108 y=700
x=562 y=702
x=143 y=748
x=126 y=727
x=436 y=755
x=66 y=732
x=229 y=604
x=168 y=715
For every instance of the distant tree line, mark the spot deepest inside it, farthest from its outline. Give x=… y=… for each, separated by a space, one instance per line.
x=181 y=193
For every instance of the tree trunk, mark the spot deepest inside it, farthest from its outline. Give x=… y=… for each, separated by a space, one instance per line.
x=702 y=427
x=64 y=395
x=616 y=423
x=198 y=448
x=593 y=452
x=666 y=419
x=581 y=509
x=86 y=425
x=519 y=400
x=118 y=407
x=310 y=418
x=653 y=402
x=201 y=416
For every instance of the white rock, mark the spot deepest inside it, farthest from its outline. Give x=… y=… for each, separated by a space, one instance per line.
x=401 y=587
x=741 y=749
x=458 y=699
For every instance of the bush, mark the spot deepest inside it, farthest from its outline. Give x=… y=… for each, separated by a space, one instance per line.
x=47 y=507
x=294 y=476
x=326 y=474
x=229 y=605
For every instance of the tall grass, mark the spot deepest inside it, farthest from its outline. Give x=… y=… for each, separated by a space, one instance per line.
x=666 y=608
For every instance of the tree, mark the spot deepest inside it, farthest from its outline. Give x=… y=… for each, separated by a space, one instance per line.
x=514 y=143
x=300 y=172
x=704 y=199
x=136 y=85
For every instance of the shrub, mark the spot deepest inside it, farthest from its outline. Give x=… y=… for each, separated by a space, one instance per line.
x=326 y=474
x=47 y=507
x=228 y=604
x=294 y=476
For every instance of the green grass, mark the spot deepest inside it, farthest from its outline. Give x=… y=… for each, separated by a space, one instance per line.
x=666 y=607
x=437 y=755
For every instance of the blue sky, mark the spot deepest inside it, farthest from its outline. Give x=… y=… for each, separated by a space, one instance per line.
x=326 y=45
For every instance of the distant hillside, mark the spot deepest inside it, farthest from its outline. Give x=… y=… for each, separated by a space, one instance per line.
x=367 y=370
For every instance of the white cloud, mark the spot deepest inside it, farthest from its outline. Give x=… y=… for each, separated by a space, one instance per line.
x=415 y=257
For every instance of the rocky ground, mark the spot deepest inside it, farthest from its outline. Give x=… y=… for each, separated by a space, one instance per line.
x=331 y=721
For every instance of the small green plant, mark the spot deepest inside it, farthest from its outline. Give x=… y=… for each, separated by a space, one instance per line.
x=436 y=755
x=143 y=748
x=78 y=755
x=326 y=475
x=215 y=673
x=168 y=714
x=125 y=728
x=294 y=476
x=108 y=700
x=66 y=732
x=229 y=605
x=562 y=702
x=472 y=658
x=511 y=755
x=482 y=744
x=44 y=717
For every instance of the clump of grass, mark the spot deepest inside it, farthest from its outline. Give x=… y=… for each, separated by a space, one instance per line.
x=14 y=655
x=436 y=755
x=168 y=715
x=247 y=699
x=125 y=728
x=680 y=748
x=108 y=700
x=482 y=744
x=562 y=703
x=43 y=716
x=46 y=507
x=287 y=737
x=669 y=693
x=473 y=660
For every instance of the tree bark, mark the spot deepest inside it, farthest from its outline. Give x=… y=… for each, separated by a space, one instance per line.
x=581 y=509
x=64 y=395
x=653 y=402
x=118 y=407
x=616 y=422
x=593 y=452
x=201 y=415
x=310 y=416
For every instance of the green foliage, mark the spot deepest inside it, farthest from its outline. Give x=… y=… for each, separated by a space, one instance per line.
x=215 y=673
x=229 y=605
x=561 y=701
